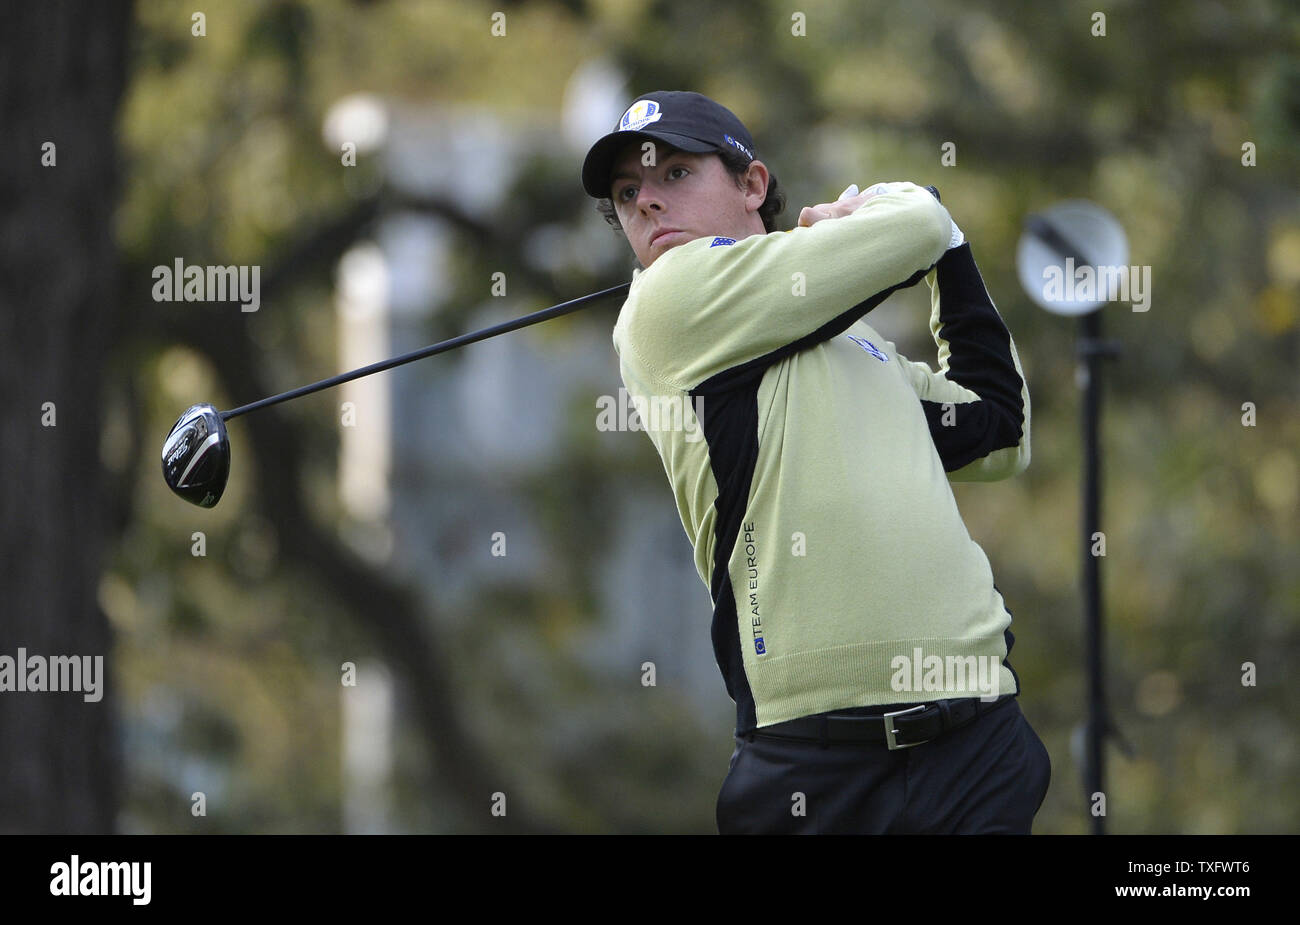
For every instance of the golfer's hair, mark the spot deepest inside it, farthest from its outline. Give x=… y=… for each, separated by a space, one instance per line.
x=736 y=164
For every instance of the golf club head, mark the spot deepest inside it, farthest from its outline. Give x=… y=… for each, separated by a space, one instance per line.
x=196 y=456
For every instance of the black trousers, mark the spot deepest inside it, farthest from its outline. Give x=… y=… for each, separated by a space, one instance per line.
x=988 y=777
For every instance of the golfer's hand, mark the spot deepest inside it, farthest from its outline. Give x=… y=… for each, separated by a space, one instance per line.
x=849 y=202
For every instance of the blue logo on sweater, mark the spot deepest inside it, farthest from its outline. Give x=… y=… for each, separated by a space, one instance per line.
x=718 y=241
x=759 y=647
x=869 y=347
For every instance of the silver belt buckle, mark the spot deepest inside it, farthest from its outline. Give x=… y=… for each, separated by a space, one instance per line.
x=890 y=731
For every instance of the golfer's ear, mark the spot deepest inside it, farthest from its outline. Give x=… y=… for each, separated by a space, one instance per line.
x=756 y=180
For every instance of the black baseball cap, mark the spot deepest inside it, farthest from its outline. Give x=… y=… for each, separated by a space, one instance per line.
x=686 y=120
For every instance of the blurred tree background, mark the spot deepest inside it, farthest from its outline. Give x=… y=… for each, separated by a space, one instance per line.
x=225 y=667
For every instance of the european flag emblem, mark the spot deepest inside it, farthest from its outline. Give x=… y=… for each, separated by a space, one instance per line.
x=720 y=241
x=759 y=647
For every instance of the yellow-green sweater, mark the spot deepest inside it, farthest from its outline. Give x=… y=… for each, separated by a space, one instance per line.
x=810 y=460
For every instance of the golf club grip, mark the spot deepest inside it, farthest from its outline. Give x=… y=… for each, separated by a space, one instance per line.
x=505 y=327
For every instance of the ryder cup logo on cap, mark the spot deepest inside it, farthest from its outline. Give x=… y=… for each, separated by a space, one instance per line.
x=640 y=114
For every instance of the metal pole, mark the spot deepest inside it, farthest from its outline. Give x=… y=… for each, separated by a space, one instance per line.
x=1086 y=234
x=1092 y=349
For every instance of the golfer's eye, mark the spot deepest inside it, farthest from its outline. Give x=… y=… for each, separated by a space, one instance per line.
x=678 y=172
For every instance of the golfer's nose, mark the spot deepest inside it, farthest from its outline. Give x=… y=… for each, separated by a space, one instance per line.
x=647 y=200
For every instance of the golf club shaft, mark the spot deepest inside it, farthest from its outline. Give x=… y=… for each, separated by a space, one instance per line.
x=545 y=314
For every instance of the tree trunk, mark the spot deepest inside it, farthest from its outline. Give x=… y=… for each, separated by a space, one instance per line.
x=62 y=70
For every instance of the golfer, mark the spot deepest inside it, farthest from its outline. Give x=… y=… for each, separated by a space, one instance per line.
x=856 y=623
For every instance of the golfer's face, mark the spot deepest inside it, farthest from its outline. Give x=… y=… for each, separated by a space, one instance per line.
x=677 y=198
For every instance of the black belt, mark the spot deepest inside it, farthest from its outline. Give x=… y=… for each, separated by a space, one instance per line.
x=902 y=728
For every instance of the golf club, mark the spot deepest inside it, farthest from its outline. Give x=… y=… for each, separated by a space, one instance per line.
x=196 y=453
